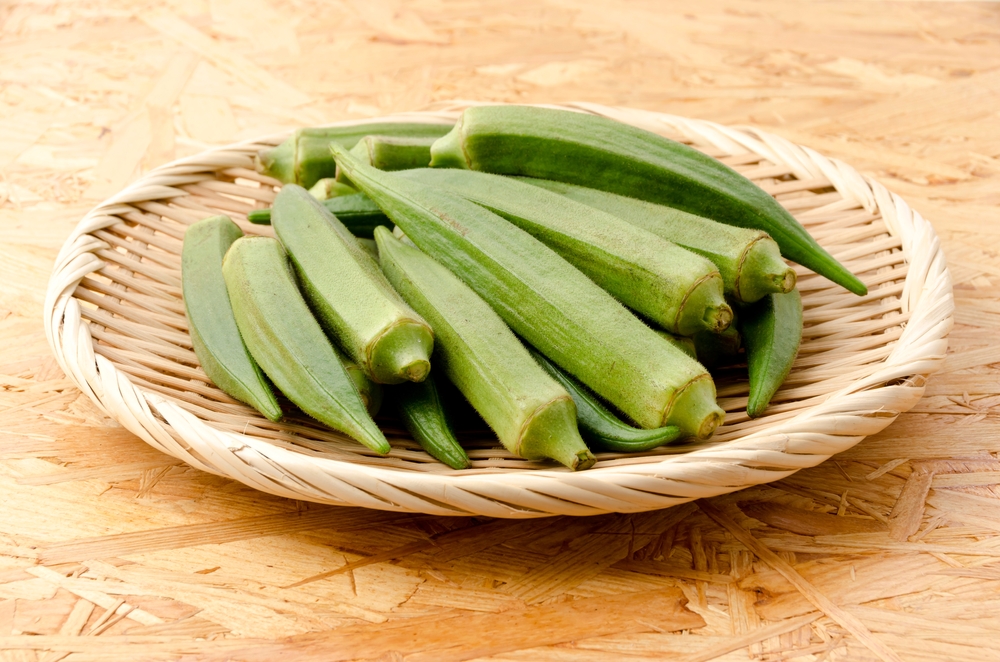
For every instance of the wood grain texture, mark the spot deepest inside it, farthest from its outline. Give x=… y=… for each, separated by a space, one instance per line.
x=110 y=551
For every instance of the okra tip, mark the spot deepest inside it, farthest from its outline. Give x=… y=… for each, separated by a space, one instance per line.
x=762 y=272
x=402 y=353
x=448 y=151
x=718 y=318
x=694 y=409
x=277 y=162
x=551 y=432
x=704 y=308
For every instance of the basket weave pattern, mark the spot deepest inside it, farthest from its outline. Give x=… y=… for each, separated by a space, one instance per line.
x=115 y=320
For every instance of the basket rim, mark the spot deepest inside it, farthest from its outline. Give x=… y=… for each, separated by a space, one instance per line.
x=806 y=439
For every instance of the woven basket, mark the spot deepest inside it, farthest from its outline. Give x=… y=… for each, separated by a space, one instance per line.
x=115 y=320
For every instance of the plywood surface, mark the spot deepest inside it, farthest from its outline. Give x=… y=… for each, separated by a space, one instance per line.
x=112 y=551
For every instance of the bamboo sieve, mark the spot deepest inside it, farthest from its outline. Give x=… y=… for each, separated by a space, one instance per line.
x=115 y=320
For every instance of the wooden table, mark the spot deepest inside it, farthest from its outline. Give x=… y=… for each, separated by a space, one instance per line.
x=111 y=551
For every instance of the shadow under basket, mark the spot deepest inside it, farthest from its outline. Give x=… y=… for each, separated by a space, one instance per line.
x=115 y=320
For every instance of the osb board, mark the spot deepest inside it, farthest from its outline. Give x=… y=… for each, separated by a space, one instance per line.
x=111 y=551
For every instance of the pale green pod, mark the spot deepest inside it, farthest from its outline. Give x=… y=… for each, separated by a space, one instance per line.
x=289 y=344
x=305 y=158
x=675 y=288
x=328 y=188
x=349 y=295
x=533 y=416
x=748 y=260
x=391 y=153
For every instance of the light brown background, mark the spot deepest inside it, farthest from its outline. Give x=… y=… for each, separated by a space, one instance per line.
x=109 y=550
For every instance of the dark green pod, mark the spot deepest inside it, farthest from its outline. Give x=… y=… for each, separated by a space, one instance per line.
x=304 y=158
x=602 y=430
x=420 y=409
x=772 y=331
x=612 y=156
x=288 y=343
x=214 y=335
x=356 y=211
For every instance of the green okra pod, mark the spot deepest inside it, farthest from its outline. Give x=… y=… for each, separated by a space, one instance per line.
x=748 y=260
x=423 y=414
x=772 y=331
x=370 y=392
x=550 y=303
x=304 y=158
x=391 y=153
x=595 y=151
x=288 y=343
x=328 y=188
x=718 y=350
x=531 y=414
x=350 y=296
x=675 y=288
x=356 y=211
x=683 y=343
x=212 y=323
x=602 y=430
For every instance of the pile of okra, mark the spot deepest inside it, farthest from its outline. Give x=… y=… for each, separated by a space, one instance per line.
x=574 y=278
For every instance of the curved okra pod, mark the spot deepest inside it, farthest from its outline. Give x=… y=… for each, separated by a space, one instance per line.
x=772 y=331
x=288 y=343
x=356 y=211
x=305 y=158
x=601 y=153
x=214 y=335
x=420 y=408
x=391 y=153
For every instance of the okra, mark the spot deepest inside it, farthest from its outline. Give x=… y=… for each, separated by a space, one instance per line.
x=673 y=287
x=391 y=153
x=304 y=158
x=549 y=303
x=356 y=211
x=602 y=430
x=214 y=335
x=370 y=392
x=531 y=414
x=772 y=331
x=683 y=343
x=350 y=296
x=718 y=350
x=289 y=344
x=749 y=260
x=422 y=412
x=612 y=156
x=328 y=188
